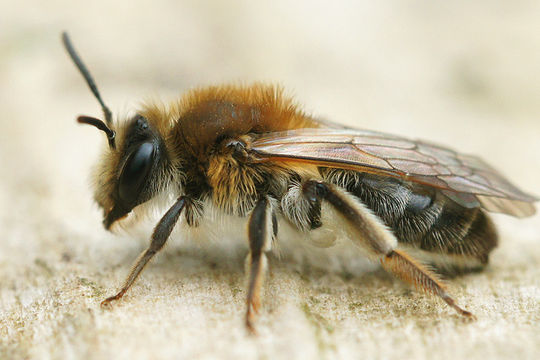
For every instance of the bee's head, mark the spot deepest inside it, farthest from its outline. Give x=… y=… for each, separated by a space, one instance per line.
x=134 y=167
x=131 y=173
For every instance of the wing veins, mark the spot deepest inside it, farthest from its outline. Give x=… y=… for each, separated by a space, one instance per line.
x=415 y=161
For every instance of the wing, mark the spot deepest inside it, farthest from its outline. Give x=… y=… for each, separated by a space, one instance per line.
x=465 y=179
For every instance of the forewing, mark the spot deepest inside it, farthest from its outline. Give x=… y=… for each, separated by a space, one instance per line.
x=465 y=179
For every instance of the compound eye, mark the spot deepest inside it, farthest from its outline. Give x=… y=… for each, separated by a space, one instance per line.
x=135 y=173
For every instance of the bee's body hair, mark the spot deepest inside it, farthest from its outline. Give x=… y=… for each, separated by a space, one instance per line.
x=249 y=155
x=207 y=171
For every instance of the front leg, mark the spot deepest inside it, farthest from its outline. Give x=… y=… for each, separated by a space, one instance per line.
x=261 y=227
x=379 y=242
x=160 y=235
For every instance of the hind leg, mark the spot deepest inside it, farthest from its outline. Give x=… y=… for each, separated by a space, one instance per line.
x=379 y=242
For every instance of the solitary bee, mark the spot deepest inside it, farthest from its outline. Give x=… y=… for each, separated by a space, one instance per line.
x=250 y=152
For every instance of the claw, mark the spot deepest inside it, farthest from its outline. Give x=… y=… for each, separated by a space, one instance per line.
x=106 y=304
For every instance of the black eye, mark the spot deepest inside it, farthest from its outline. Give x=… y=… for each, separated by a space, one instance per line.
x=135 y=172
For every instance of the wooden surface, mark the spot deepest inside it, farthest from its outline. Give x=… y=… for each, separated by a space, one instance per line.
x=464 y=74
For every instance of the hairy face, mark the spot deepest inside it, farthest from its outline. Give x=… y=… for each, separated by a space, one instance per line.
x=133 y=172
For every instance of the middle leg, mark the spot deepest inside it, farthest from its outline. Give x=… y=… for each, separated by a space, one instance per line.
x=262 y=227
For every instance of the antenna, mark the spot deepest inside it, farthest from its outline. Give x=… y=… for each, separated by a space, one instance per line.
x=111 y=135
x=86 y=74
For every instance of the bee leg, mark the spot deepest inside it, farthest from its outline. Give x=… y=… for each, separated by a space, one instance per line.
x=380 y=243
x=261 y=227
x=160 y=235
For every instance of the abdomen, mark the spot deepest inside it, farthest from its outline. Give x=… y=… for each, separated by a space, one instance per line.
x=453 y=238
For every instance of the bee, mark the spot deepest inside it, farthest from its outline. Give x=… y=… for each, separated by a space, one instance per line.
x=417 y=208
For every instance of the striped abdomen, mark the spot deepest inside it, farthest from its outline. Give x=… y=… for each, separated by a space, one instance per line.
x=424 y=219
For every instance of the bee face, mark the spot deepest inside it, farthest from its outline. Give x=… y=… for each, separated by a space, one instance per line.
x=130 y=174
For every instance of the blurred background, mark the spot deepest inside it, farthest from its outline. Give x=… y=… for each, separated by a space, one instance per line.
x=464 y=74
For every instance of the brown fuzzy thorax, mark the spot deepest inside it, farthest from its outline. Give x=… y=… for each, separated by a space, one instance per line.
x=206 y=116
x=202 y=122
x=194 y=129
